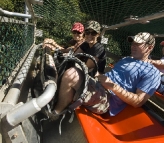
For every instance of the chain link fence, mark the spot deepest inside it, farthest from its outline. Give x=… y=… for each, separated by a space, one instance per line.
x=16 y=37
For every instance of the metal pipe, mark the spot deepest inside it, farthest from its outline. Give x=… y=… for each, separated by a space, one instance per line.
x=31 y=11
x=136 y=20
x=5 y=12
x=14 y=92
x=21 y=113
x=26 y=12
x=158 y=35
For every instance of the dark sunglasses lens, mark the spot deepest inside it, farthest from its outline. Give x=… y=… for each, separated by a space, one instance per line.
x=76 y=32
x=93 y=33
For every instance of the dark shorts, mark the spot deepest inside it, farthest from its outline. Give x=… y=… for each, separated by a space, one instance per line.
x=97 y=99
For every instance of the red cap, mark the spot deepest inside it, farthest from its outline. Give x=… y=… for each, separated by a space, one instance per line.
x=78 y=27
x=162 y=43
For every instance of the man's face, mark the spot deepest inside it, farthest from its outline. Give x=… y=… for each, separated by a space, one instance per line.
x=138 y=50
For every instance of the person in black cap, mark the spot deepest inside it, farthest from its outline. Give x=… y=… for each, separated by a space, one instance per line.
x=133 y=80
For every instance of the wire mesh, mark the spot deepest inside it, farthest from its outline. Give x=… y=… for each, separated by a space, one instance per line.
x=60 y=15
x=55 y=18
x=15 y=41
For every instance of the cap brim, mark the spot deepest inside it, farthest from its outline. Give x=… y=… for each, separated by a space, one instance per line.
x=90 y=27
x=135 y=39
x=75 y=29
x=130 y=39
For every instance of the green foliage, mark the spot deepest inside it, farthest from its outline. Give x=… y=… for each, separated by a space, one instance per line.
x=13 y=5
x=58 y=17
x=6 y=5
x=113 y=47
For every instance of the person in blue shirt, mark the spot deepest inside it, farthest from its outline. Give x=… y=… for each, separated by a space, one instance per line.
x=133 y=80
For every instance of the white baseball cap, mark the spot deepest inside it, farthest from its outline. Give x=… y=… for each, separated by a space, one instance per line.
x=142 y=37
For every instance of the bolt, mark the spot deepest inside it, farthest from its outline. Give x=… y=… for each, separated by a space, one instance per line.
x=13 y=137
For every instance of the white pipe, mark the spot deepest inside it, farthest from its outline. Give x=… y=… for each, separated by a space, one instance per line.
x=5 y=12
x=23 y=112
x=26 y=12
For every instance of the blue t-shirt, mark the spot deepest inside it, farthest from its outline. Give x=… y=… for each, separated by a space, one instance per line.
x=132 y=74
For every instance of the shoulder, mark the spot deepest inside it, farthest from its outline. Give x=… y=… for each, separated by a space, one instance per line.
x=84 y=45
x=150 y=70
x=72 y=42
x=98 y=46
x=128 y=59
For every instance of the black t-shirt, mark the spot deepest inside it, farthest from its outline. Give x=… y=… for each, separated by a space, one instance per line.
x=97 y=50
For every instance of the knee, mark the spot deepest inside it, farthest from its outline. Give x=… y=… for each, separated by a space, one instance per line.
x=70 y=74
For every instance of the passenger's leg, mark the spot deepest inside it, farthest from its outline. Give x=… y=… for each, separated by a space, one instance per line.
x=70 y=83
x=97 y=98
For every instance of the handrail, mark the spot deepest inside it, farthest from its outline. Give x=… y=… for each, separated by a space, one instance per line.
x=21 y=113
x=137 y=20
x=14 y=92
x=132 y=21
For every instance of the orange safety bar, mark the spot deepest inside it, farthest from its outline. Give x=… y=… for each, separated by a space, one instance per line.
x=132 y=125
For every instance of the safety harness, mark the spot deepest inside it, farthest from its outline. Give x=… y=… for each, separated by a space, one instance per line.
x=52 y=68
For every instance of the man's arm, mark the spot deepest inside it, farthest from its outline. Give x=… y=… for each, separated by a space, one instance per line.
x=159 y=64
x=135 y=99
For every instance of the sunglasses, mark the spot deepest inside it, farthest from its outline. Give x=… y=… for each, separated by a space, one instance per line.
x=93 y=33
x=76 y=32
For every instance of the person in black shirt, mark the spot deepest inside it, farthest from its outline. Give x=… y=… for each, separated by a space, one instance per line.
x=93 y=47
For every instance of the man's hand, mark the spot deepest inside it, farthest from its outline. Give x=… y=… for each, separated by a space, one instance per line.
x=49 y=46
x=49 y=43
x=97 y=74
x=105 y=81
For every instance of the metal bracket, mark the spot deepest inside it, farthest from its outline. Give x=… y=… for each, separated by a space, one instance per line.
x=17 y=135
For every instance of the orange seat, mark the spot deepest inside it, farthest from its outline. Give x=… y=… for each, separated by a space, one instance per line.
x=132 y=125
